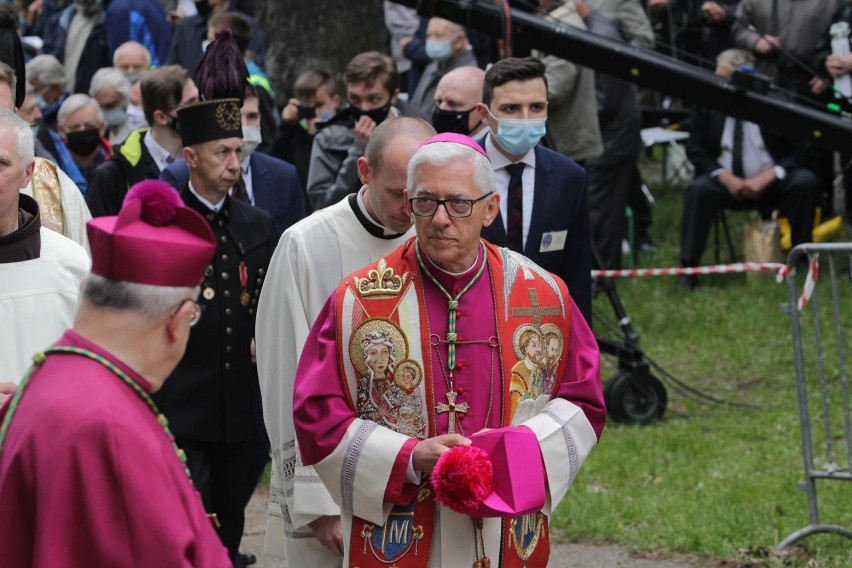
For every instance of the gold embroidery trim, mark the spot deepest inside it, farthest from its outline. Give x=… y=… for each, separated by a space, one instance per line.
x=48 y=194
x=380 y=282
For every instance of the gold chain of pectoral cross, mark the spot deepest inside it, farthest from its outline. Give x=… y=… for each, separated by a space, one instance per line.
x=452 y=337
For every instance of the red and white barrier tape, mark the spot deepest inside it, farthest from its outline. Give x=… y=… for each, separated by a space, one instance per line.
x=810 y=281
x=783 y=271
x=714 y=269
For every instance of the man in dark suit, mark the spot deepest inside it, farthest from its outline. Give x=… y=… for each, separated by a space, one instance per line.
x=211 y=403
x=149 y=150
x=265 y=182
x=740 y=165
x=544 y=210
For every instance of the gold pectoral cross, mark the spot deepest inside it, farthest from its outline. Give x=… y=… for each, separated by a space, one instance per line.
x=452 y=408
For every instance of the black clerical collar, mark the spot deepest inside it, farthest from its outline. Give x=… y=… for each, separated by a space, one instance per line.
x=24 y=243
x=371 y=227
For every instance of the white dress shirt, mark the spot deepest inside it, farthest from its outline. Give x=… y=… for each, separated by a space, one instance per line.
x=161 y=156
x=756 y=158
x=212 y=206
x=501 y=182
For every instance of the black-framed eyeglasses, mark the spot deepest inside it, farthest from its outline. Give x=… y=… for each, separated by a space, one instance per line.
x=196 y=311
x=456 y=207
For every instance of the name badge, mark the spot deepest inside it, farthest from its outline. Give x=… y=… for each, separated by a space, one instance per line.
x=554 y=240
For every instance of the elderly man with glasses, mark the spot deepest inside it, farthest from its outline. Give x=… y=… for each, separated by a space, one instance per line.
x=454 y=308
x=89 y=472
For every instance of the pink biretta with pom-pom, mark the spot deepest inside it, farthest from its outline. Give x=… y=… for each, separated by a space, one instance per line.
x=462 y=478
x=155 y=239
x=501 y=474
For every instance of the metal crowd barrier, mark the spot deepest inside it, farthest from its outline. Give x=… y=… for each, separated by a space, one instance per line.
x=822 y=377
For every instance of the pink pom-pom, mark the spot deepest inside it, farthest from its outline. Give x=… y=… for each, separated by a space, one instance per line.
x=159 y=201
x=463 y=478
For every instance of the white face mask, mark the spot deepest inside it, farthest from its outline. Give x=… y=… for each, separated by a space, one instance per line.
x=251 y=140
x=136 y=117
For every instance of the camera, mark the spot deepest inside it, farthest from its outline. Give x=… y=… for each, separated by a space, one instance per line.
x=747 y=79
x=307 y=112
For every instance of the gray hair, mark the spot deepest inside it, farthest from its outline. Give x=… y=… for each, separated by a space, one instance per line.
x=110 y=77
x=736 y=58
x=48 y=70
x=442 y=153
x=9 y=120
x=75 y=103
x=28 y=89
x=149 y=301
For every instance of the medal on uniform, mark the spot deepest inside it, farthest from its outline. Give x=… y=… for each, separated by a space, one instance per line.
x=208 y=293
x=245 y=298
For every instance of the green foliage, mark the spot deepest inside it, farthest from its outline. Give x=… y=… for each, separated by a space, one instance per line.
x=712 y=480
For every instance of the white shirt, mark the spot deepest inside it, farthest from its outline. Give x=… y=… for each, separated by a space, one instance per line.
x=756 y=159
x=501 y=182
x=213 y=207
x=162 y=157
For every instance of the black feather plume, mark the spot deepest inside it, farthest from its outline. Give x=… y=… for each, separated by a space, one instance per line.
x=222 y=73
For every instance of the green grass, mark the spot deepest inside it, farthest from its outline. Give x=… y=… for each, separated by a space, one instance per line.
x=709 y=480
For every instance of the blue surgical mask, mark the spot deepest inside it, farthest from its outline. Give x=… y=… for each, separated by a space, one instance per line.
x=39 y=100
x=438 y=49
x=519 y=135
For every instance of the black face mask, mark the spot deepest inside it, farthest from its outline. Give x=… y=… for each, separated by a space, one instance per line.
x=377 y=114
x=175 y=125
x=451 y=120
x=84 y=142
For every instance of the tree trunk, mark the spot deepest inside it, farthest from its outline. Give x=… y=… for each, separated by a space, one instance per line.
x=324 y=34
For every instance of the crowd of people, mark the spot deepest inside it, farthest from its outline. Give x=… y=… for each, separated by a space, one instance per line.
x=378 y=265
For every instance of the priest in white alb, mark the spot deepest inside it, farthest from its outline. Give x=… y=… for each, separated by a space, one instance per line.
x=413 y=355
x=303 y=522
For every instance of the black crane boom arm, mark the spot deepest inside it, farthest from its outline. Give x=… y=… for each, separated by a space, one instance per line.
x=648 y=69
